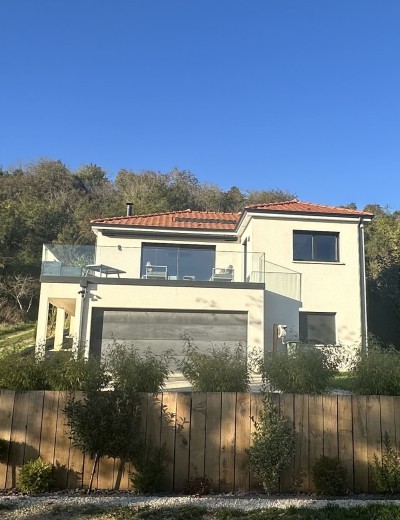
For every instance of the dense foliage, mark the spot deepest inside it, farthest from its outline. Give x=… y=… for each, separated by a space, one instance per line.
x=329 y=476
x=305 y=369
x=273 y=446
x=377 y=372
x=35 y=476
x=219 y=369
x=386 y=469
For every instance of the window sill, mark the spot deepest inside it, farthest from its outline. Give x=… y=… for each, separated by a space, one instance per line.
x=317 y=262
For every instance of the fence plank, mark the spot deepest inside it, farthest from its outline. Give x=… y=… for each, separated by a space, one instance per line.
x=256 y=409
x=62 y=445
x=345 y=437
x=374 y=434
x=33 y=426
x=242 y=475
x=75 y=464
x=396 y=401
x=227 y=461
x=168 y=437
x=286 y=406
x=302 y=474
x=330 y=425
x=153 y=428
x=182 y=440
x=17 y=438
x=6 y=417
x=213 y=438
x=316 y=431
x=359 y=407
x=49 y=426
x=197 y=434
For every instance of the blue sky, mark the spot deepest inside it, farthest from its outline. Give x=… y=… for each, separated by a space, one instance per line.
x=301 y=95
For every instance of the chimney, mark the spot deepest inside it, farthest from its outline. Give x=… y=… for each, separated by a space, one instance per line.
x=129 y=209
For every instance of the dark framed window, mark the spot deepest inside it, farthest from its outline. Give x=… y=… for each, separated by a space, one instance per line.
x=315 y=246
x=317 y=328
x=181 y=261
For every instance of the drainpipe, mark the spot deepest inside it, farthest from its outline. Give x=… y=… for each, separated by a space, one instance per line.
x=363 y=286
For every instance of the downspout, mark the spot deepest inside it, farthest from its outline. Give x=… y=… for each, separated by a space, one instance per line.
x=363 y=287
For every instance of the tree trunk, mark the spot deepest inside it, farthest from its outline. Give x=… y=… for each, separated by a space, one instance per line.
x=96 y=460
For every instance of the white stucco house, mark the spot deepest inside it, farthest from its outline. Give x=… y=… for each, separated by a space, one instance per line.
x=217 y=277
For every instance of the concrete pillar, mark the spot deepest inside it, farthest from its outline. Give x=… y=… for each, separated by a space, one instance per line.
x=59 y=332
x=72 y=326
x=41 y=329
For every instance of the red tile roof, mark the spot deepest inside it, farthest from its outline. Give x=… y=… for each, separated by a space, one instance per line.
x=217 y=220
x=296 y=206
x=208 y=220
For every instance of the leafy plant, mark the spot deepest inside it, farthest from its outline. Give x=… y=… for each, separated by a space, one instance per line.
x=35 y=477
x=377 y=372
x=199 y=486
x=149 y=470
x=329 y=476
x=22 y=372
x=305 y=369
x=386 y=472
x=273 y=445
x=135 y=371
x=220 y=369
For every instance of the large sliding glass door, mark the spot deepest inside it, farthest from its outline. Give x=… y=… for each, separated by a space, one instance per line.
x=182 y=262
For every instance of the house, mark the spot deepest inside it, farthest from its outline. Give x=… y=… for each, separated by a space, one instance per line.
x=216 y=277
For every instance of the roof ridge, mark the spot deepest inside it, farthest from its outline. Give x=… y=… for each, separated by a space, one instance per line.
x=180 y=211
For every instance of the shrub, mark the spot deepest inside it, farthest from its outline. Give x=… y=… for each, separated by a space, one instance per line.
x=63 y=371
x=386 y=472
x=136 y=372
x=149 y=470
x=273 y=446
x=329 y=476
x=220 y=369
x=377 y=372
x=35 y=477
x=305 y=369
x=22 y=372
x=199 y=486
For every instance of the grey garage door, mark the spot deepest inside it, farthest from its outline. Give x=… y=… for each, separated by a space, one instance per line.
x=161 y=330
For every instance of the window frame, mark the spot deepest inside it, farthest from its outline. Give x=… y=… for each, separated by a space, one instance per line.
x=306 y=340
x=313 y=235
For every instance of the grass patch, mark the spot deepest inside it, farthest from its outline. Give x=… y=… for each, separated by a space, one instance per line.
x=370 y=512
x=343 y=381
x=18 y=335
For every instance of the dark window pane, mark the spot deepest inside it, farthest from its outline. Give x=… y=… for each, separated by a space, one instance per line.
x=302 y=249
x=317 y=327
x=315 y=246
x=325 y=248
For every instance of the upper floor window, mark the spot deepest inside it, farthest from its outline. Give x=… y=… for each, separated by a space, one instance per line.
x=315 y=246
x=177 y=262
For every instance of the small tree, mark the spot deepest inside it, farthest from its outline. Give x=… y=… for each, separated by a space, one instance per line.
x=273 y=446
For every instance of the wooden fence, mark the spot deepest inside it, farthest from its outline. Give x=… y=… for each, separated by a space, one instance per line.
x=204 y=434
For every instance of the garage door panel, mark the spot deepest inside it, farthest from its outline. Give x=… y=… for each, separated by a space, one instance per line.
x=160 y=331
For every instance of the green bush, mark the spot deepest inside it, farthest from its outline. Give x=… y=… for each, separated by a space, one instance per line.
x=329 y=476
x=59 y=372
x=220 y=369
x=135 y=371
x=377 y=372
x=149 y=470
x=35 y=477
x=272 y=448
x=305 y=369
x=386 y=472
x=64 y=371
x=22 y=372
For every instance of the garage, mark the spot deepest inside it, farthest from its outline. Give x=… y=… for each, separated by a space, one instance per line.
x=160 y=330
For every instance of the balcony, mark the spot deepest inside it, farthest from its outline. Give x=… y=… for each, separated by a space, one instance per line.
x=169 y=262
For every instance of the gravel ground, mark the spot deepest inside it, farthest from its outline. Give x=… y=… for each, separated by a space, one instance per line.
x=64 y=507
